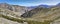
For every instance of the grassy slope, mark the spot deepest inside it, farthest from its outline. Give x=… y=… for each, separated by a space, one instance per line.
x=51 y=15
x=46 y=15
x=21 y=21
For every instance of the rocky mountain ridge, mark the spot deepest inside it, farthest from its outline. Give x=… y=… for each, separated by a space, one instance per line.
x=15 y=8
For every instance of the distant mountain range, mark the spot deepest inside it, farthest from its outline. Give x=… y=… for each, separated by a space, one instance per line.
x=45 y=6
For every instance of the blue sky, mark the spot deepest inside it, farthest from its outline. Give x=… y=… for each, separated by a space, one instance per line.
x=30 y=2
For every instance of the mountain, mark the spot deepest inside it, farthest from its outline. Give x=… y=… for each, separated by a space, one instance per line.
x=33 y=7
x=58 y=4
x=34 y=11
x=42 y=14
x=46 y=6
x=15 y=8
x=11 y=11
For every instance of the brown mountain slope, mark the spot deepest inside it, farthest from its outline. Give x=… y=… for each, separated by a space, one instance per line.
x=43 y=14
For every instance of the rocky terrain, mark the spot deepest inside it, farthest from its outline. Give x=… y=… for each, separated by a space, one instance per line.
x=11 y=11
x=15 y=8
x=14 y=14
x=43 y=14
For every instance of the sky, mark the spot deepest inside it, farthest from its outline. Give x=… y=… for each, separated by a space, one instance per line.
x=30 y=2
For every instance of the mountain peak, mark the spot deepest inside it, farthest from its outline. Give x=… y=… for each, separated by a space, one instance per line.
x=58 y=4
